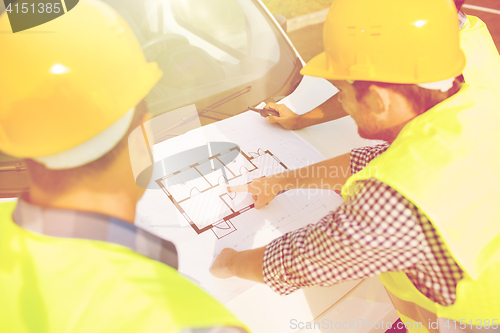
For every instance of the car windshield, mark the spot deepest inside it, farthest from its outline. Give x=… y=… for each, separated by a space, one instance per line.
x=222 y=55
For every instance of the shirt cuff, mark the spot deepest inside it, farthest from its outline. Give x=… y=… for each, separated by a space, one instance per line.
x=273 y=268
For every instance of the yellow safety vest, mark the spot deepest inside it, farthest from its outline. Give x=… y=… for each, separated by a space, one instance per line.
x=50 y=284
x=483 y=60
x=447 y=162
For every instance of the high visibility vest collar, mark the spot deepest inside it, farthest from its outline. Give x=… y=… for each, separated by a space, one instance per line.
x=483 y=60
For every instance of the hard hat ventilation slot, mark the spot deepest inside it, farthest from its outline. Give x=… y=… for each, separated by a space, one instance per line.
x=375 y=30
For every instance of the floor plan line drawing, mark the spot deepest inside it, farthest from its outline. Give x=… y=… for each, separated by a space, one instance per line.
x=201 y=197
x=158 y=213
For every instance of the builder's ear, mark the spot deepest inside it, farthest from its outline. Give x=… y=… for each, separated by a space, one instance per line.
x=379 y=99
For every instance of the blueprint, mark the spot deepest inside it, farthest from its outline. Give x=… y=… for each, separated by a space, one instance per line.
x=202 y=197
x=192 y=207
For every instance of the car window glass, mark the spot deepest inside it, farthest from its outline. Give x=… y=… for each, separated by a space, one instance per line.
x=223 y=20
x=209 y=50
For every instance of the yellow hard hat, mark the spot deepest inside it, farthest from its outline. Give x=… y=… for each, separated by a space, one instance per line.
x=67 y=80
x=391 y=41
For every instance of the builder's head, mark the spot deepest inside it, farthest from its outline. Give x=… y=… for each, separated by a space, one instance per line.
x=72 y=108
x=382 y=109
x=391 y=59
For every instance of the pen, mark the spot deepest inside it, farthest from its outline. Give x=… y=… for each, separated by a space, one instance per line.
x=265 y=112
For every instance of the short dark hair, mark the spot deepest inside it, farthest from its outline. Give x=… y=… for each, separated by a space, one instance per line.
x=459 y=4
x=421 y=99
x=57 y=181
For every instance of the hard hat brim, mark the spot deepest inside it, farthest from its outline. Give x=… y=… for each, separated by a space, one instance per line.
x=317 y=66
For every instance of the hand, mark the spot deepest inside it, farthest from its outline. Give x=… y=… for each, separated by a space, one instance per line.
x=263 y=190
x=223 y=266
x=245 y=264
x=288 y=119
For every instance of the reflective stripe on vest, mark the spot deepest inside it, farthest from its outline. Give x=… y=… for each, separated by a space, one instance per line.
x=483 y=60
x=447 y=162
x=50 y=284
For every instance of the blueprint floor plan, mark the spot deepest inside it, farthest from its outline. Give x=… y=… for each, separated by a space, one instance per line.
x=201 y=196
x=192 y=207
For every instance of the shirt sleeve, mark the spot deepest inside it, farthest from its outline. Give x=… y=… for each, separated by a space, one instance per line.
x=372 y=233
x=360 y=157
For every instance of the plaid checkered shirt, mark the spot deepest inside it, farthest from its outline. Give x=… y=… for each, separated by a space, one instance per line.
x=376 y=231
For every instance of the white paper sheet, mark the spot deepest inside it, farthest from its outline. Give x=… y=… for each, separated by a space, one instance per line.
x=229 y=219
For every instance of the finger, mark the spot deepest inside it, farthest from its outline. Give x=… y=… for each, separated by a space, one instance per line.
x=254 y=197
x=238 y=188
x=260 y=203
x=271 y=105
x=272 y=119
